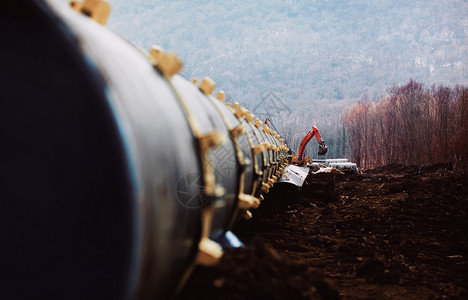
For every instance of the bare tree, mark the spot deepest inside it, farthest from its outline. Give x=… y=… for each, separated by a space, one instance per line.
x=412 y=125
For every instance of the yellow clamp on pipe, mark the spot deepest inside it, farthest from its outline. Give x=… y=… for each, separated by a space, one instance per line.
x=238 y=112
x=265 y=187
x=248 y=201
x=270 y=182
x=258 y=123
x=207 y=86
x=209 y=252
x=237 y=131
x=221 y=96
x=206 y=142
x=258 y=148
x=244 y=112
x=97 y=10
x=167 y=63
x=76 y=5
x=156 y=53
x=267 y=129
x=247 y=215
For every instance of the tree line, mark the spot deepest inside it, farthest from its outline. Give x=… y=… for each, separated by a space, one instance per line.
x=412 y=125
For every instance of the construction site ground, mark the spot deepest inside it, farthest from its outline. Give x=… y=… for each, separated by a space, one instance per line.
x=390 y=233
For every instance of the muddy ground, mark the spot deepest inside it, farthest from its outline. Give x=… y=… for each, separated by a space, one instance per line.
x=390 y=233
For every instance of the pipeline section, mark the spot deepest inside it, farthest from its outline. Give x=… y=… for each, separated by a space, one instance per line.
x=117 y=173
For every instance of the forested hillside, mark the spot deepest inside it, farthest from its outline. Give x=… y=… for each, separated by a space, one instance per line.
x=305 y=49
x=316 y=56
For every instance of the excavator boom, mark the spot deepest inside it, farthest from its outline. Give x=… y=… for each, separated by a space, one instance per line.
x=322 y=147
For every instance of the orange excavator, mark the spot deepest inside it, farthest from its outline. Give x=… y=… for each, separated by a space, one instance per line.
x=299 y=158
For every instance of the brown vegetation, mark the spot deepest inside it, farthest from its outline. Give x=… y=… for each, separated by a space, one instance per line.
x=411 y=126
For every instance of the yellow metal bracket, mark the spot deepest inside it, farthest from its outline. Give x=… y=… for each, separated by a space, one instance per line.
x=206 y=142
x=221 y=96
x=248 y=201
x=167 y=63
x=237 y=131
x=98 y=10
x=209 y=252
x=258 y=123
x=207 y=86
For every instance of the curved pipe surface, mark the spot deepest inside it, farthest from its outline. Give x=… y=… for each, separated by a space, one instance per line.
x=115 y=171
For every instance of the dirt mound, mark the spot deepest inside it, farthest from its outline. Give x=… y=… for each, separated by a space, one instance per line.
x=258 y=272
x=391 y=233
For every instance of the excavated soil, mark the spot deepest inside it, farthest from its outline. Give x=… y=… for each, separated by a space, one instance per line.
x=390 y=233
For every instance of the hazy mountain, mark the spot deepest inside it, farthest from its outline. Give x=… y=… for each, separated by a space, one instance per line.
x=300 y=62
x=305 y=49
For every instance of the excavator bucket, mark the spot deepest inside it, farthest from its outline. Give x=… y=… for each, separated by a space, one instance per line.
x=322 y=149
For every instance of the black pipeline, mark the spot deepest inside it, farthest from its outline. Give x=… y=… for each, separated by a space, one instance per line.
x=116 y=173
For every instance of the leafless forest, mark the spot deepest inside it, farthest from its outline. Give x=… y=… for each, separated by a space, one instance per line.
x=411 y=126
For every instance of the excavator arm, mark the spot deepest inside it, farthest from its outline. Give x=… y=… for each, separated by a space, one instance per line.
x=322 y=147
